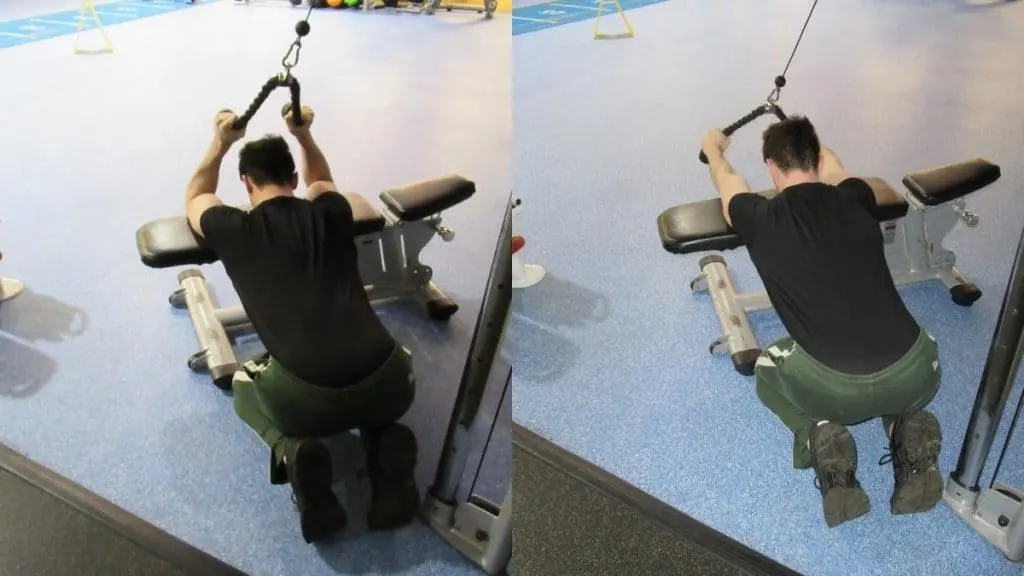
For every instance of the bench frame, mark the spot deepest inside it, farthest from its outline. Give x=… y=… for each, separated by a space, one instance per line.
x=389 y=264
x=913 y=249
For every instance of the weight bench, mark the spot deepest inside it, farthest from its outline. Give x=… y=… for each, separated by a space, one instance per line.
x=913 y=226
x=388 y=241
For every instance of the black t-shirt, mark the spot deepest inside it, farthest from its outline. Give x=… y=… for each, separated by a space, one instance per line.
x=820 y=253
x=293 y=264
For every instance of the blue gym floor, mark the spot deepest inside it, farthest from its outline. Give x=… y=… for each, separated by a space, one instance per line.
x=611 y=349
x=94 y=381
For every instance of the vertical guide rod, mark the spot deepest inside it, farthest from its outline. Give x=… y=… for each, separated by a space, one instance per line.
x=997 y=380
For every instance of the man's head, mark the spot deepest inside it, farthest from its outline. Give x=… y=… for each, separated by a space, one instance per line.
x=791 y=151
x=266 y=165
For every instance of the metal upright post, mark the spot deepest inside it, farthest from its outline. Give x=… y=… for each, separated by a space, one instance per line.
x=478 y=529
x=996 y=380
x=483 y=352
x=997 y=513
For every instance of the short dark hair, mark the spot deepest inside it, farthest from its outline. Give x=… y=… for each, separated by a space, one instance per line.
x=792 y=144
x=267 y=161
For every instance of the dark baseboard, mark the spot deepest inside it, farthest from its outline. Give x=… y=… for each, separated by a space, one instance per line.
x=158 y=542
x=735 y=553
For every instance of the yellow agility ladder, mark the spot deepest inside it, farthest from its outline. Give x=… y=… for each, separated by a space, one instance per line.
x=598 y=35
x=108 y=46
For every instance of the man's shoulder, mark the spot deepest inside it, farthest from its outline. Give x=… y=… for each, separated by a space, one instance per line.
x=749 y=200
x=221 y=217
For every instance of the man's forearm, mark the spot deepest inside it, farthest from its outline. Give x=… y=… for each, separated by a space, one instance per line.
x=314 y=165
x=718 y=166
x=207 y=175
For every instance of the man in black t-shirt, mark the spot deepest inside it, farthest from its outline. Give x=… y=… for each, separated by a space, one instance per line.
x=854 y=352
x=331 y=365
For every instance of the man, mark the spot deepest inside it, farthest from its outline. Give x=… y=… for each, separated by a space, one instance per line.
x=330 y=366
x=854 y=352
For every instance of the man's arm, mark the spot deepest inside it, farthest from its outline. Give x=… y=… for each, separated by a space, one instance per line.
x=202 y=188
x=831 y=170
x=728 y=183
x=315 y=171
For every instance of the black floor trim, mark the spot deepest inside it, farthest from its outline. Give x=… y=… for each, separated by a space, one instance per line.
x=730 y=550
x=133 y=528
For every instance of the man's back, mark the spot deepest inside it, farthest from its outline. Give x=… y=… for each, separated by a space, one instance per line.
x=820 y=253
x=294 y=266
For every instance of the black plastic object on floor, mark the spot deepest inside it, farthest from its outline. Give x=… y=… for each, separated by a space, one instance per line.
x=574 y=519
x=51 y=526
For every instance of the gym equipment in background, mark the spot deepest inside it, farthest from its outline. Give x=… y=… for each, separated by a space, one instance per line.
x=86 y=12
x=629 y=32
x=292 y=2
x=9 y=287
x=523 y=275
x=997 y=512
x=430 y=7
x=913 y=229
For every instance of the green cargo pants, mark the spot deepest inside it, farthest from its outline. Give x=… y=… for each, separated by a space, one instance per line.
x=802 y=392
x=282 y=408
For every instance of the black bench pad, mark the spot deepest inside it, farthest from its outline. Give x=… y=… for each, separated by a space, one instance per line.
x=945 y=183
x=170 y=242
x=422 y=199
x=701 y=227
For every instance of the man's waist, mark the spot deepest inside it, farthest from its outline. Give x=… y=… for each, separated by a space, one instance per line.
x=869 y=355
x=338 y=366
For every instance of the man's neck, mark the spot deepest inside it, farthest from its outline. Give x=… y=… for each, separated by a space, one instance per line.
x=797 y=177
x=269 y=193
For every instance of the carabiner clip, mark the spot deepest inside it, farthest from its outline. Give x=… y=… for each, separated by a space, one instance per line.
x=293 y=54
x=780 y=83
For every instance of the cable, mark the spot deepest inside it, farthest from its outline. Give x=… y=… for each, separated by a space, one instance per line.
x=1009 y=436
x=490 y=433
x=780 y=80
x=301 y=30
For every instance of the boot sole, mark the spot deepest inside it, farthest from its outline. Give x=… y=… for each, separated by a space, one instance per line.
x=398 y=504
x=845 y=504
x=836 y=453
x=922 y=491
x=324 y=516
